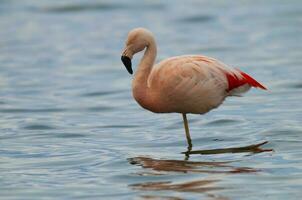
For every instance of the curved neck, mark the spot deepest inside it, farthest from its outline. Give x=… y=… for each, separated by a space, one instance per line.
x=140 y=89
x=146 y=64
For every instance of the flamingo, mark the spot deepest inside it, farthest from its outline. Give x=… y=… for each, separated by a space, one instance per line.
x=183 y=84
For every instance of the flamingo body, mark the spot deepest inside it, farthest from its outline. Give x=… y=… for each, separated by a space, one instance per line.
x=191 y=84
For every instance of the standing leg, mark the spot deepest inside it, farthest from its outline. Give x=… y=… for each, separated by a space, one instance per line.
x=187 y=132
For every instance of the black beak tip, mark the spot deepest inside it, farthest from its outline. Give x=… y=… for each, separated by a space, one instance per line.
x=127 y=62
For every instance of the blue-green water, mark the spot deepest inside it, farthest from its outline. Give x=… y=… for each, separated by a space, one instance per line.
x=70 y=129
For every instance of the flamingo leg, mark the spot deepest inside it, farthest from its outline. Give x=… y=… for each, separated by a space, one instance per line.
x=187 y=132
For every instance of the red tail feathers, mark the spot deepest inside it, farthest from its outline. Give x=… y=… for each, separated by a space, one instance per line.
x=235 y=82
x=252 y=82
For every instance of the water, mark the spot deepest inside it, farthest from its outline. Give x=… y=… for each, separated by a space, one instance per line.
x=70 y=129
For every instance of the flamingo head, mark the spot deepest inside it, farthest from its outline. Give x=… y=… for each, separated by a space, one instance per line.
x=137 y=40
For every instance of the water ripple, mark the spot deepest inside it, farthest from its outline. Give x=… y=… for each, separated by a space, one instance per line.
x=28 y=110
x=69 y=135
x=71 y=8
x=100 y=93
x=200 y=186
x=38 y=127
x=223 y=122
x=197 y=19
x=99 y=108
x=82 y=7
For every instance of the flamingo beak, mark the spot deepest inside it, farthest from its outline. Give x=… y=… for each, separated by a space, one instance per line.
x=127 y=62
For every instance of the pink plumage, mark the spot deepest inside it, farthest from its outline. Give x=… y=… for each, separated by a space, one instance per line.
x=183 y=84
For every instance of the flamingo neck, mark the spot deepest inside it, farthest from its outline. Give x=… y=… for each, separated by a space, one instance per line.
x=139 y=85
x=145 y=65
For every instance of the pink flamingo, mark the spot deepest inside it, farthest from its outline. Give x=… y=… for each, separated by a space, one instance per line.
x=183 y=84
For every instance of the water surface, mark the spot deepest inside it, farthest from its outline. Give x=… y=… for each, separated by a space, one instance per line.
x=70 y=129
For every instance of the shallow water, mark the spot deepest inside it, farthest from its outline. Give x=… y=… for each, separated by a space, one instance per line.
x=70 y=129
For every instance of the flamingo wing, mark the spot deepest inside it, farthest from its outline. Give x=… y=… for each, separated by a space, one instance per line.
x=189 y=84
